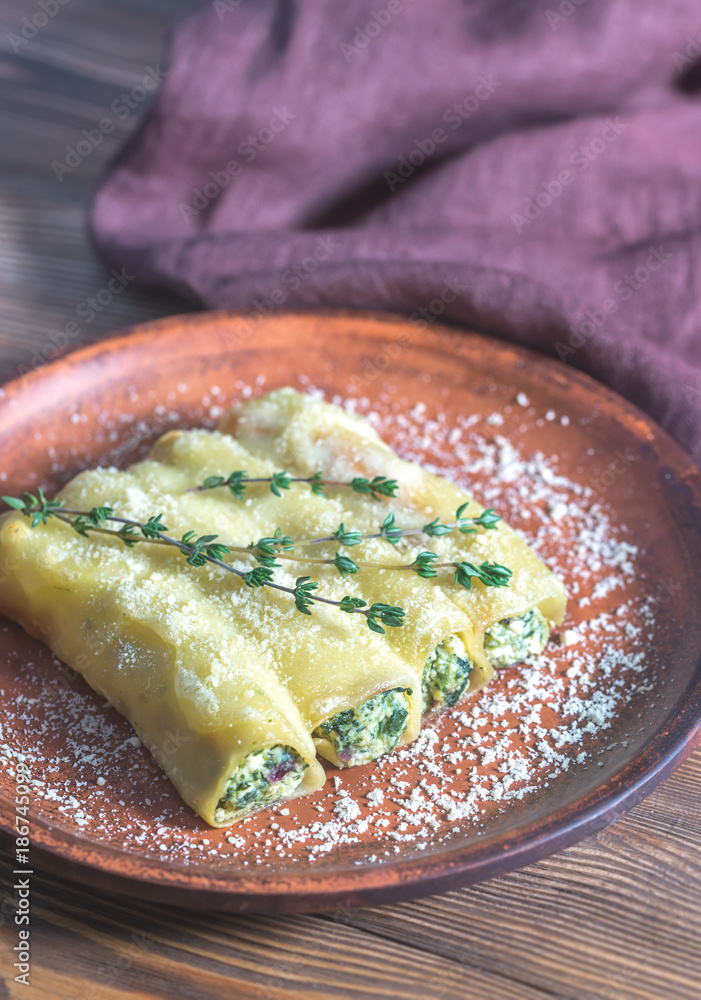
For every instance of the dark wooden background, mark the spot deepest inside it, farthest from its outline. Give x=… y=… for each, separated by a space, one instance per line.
x=617 y=917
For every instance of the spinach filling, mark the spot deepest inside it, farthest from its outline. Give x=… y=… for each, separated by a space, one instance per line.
x=514 y=639
x=446 y=675
x=364 y=733
x=262 y=777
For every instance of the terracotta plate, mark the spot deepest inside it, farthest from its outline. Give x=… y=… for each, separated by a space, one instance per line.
x=553 y=750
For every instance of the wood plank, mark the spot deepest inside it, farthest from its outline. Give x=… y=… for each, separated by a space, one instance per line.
x=175 y=953
x=104 y=40
x=62 y=81
x=557 y=928
x=562 y=923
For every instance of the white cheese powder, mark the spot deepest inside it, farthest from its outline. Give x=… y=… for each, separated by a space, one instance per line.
x=534 y=723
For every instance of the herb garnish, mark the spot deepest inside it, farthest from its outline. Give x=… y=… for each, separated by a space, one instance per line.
x=434 y=529
x=238 y=481
x=197 y=551
x=267 y=551
x=279 y=546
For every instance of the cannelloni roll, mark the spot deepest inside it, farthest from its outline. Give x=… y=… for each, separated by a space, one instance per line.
x=303 y=434
x=236 y=693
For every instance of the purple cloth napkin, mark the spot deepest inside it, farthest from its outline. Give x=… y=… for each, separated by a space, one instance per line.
x=530 y=169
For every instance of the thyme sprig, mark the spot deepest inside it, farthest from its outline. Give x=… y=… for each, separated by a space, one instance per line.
x=238 y=481
x=267 y=553
x=198 y=550
x=391 y=533
x=267 y=550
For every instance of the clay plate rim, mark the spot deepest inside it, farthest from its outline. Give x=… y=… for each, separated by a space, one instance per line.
x=104 y=867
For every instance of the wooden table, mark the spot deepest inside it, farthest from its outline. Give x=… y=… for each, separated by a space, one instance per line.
x=615 y=918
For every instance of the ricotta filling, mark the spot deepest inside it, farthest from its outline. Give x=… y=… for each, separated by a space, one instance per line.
x=368 y=731
x=514 y=639
x=263 y=776
x=446 y=675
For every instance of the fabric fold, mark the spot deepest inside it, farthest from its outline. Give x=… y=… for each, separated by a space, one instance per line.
x=539 y=161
